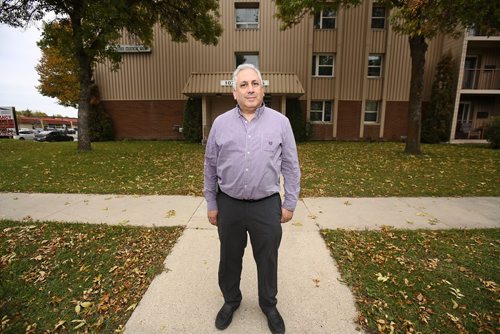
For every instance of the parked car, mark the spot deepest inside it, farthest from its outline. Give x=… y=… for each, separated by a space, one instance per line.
x=53 y=136
x=25 y=135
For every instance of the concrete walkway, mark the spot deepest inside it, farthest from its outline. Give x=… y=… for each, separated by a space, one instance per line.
x=312 y=299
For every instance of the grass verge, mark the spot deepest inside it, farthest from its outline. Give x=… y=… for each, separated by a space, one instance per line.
x=57 y=277
x=421 y=281
x=340 y=169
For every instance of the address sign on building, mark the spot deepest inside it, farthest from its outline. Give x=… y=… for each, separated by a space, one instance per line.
x=126 y=48
x=229 y=83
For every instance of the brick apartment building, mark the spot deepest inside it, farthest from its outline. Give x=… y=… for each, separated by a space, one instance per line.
x=349 y=70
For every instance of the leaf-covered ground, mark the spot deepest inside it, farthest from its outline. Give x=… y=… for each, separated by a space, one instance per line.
x=353 y=169
x=59 y=278
x=340 y=169
x=443 y=281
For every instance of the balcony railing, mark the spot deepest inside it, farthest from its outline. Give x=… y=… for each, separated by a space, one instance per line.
x=481 y=79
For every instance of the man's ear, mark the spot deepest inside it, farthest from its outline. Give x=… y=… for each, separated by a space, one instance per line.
x=234 y=94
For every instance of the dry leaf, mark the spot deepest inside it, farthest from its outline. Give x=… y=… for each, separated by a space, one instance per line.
x=382 y=278
x=170 y=213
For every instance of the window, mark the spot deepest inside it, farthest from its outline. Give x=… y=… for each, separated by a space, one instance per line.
x=267 y=100
x=480 y=115
x=372 y=111
x=325 y=19
x=247 y=15
x=378 y=17
x=374 y=66
x=321 y=111
x=247 y=58
x=322 y=65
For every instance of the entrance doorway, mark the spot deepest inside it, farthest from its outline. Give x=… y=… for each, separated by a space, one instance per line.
x=464 y=120
x=470 y=72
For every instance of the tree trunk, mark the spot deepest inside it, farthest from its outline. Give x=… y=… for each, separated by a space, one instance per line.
x=84 y=103
x=418 y=48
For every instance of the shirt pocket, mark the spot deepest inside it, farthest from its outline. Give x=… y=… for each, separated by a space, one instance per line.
x=270 y=142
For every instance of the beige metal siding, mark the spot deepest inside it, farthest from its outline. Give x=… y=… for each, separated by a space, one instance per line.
x=163 y=73
x=353 y=59
x=377 y=39
x=434 y=52
x=398 y=68
x=374 y=89
x=325 y=40
x=453 y=45
x=323 y=89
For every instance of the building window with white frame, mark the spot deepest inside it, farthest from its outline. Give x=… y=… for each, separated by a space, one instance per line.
x=325 y=19
x=247 y=58
x=321 y=111
x=372 y=111
x=378 y=17
x=374 y=66
x=247 y=15
x=322 y=65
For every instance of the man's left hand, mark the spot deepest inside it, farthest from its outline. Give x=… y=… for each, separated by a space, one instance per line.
x=286 y=215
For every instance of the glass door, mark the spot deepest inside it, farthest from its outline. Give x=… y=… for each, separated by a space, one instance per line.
x=470 y=72
x=464 y=123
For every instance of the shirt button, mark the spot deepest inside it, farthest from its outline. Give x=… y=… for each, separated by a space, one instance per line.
x=246 y=169
x=248 y=152
x=245 y=185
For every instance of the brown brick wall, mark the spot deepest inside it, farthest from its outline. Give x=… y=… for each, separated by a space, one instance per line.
x=146 y=119
x=321 y=132
x=371 y=132
x=156 y=120
x=396 y=120
x=349 y=116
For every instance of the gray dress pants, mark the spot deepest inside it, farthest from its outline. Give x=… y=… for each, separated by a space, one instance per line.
x=260 y=220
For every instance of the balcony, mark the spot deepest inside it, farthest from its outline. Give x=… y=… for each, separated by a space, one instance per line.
x=484 y=79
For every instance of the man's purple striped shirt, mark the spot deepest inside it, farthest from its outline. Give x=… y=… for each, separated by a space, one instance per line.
x=245 y=159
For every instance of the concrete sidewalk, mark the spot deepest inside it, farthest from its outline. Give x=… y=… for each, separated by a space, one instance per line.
x=185 y=297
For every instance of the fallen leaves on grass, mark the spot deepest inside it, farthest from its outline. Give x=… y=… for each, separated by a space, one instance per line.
x=86 y=278
x=421 y=281
x=341 y=169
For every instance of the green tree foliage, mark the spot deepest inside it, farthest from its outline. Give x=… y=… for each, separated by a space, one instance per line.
x=192 y=125
x=298 y=122
x=58 y=74
x=420 y=20
x=492 y=133
x=100 y=123
x=31 y=113
x=436 y=125
x=92 y=29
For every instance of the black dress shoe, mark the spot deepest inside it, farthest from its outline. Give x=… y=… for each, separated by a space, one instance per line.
x=225 y=316
x=275 y=322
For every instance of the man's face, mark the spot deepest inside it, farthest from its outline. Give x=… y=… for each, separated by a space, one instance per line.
x=249 y=92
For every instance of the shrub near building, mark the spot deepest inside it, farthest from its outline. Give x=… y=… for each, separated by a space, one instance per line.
x=436 y=125
x=492 y=133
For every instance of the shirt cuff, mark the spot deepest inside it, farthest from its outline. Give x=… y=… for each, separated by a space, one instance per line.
x=289 y=205
x=211 y=205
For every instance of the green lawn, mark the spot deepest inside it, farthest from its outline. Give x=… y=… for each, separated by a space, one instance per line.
x=343 y=169
x=421 y=281
x=56 y=277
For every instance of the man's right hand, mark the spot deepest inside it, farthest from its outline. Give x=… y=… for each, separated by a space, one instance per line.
x=212 y=217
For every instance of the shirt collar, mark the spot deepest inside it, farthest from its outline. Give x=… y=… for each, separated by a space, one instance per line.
x=258 y=112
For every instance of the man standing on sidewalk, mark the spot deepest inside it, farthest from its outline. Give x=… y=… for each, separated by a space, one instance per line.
x=248 y=148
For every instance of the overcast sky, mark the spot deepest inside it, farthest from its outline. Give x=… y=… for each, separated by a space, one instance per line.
x=19 y=55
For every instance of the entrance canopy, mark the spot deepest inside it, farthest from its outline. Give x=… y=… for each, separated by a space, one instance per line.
x=200 y=84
